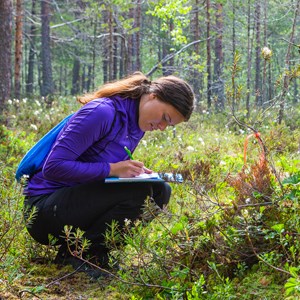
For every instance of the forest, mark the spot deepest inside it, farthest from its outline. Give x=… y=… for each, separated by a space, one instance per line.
x=232 y=229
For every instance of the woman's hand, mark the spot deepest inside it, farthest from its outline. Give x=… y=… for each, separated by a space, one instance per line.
x=128 y=168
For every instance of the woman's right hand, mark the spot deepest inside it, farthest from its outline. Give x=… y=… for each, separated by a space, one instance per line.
x=128 y=168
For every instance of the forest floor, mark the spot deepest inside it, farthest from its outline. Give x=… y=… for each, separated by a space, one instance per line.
x=49 y=281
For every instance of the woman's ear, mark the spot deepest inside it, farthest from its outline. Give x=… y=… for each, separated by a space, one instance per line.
x=152 y=96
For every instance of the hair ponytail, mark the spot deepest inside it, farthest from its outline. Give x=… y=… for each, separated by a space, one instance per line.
x=133 y=86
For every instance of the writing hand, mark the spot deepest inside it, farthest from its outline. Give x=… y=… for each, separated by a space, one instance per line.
x=128 y=168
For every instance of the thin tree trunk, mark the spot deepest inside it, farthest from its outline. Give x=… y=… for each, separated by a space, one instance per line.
x=258 y=96
x=115 y=55
x=234 y=104
x=88 y=83
x=18 y=47
x=30 y=74
x=249 y=59
x=94 y=54
x=130 y=55
x=264 y=80
x=197 y=77
x=122 y=59
x=5 y=51
x=218 y=85
x=75 y=77
x=287 y=65
x=138 y=35
x=208 y=53
x=47 y=84
x=105 y=53
x=110 y=45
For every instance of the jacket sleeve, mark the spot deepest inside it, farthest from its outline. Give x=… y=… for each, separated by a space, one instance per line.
x=86 y=127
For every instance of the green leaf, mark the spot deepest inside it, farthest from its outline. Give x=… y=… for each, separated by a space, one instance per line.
x=278 y=227
x=295 y=179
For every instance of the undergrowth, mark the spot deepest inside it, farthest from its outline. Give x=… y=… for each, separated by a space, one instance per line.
x=231 y=230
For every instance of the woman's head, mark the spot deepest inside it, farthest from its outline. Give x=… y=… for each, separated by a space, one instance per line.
x=155 y=114
x=169 y=89
x=175 y=91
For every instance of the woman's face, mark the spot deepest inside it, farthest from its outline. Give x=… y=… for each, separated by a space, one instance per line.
x=157 y=115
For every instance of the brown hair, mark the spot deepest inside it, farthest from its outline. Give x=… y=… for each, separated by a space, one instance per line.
x=168 y=89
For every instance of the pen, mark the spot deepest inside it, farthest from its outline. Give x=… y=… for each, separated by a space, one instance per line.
x=128 y=152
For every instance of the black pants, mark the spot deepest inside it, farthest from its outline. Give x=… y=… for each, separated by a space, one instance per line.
x=91 y=207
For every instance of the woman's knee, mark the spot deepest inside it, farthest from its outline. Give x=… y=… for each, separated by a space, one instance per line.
x=161 y=193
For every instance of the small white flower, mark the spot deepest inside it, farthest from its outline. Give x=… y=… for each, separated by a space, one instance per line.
x=190 y=148
x=37 y=103
x=16 y=101
x=144 y=143
x=201 y=141
x=9 y=102
x=127 y=222
x=34 y=127
x=24 y=100
x=222 y=163
x=13 y=116
x=36 y=112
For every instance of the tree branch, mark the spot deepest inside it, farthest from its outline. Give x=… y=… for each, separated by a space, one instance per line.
x=170 y=56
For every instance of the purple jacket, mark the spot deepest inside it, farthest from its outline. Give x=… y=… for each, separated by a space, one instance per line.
x=94 y=137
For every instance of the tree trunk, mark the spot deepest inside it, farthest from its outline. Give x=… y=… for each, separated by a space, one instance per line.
x=18 y=47
x=130 y=50
x=115 y=55
x=234 y=104
x=94 y=55
x=218 y=85
x=258 y=97
x=196 y=76
x=47 y=87
x=208 y=53
x=265 y=97
x=110 y=45
x=168 y=66
x=249 y=58
x=88 y=83
x=5 y=51
x=138 y=35
x=105 y=52
x=122 y=59
x=75 y=77
x=287 y=65
x=30 y=74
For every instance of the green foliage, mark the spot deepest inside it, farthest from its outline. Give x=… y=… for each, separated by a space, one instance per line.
x=175 y=12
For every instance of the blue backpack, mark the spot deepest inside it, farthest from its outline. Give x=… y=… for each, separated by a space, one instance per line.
x=36 y=156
